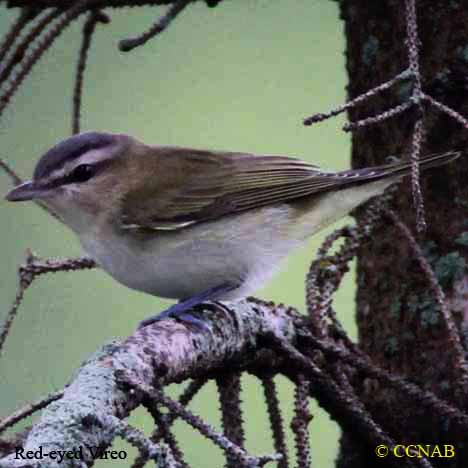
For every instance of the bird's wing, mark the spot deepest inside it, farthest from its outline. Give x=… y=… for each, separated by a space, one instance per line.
x=212 y=185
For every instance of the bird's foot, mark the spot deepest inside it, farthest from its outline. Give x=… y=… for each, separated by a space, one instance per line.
x=180 y=311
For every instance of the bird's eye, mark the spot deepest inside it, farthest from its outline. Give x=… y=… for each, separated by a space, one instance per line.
x=82 y=173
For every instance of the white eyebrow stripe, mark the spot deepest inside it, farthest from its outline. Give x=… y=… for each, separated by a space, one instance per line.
x=56 y=174
x=90 y=157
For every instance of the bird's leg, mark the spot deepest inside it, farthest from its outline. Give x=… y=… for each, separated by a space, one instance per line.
x=180 y=310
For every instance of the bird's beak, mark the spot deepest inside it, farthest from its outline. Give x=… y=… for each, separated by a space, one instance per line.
x=25 y=191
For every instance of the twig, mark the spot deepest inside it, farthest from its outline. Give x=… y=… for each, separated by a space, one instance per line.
x=356 y=419
x=327 y=271
x=43 y=4
x=27 y=410
x=166 y=420
x=447 y=110
x=26 y=15
x=418 y=200
x=94 y=17
x=28 y=272
x=416 y=97
x=319 y=117
x=168 y=437
x=126 y=45
x=412 y=40
x=42 y=46
x=15 y=178
x=300 y=422
x=132 y=435
x=356 y=358
x=229 y=389
x=453 y=336
x=205 y=429
x=185 y=398
x=394 y=111
x=276 y=420
x=18 y=54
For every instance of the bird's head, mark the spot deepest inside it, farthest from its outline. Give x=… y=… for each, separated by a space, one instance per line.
x=80 y=178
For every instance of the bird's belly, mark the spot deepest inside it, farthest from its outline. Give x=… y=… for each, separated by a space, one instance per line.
x=164 y=272
x=188 y=262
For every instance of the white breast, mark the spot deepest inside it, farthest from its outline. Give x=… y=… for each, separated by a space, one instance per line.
x=241 y=250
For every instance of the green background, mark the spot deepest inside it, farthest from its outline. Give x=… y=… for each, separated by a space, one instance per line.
x=238 y=77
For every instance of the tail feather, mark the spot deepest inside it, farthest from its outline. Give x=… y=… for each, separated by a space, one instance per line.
x=352 y=188
x=398 y=169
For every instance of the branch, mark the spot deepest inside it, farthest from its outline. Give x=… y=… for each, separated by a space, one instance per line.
x=94 y=17
x=43 y=4
x=126 y=45
x=28 y=272
x=27 y=410
x=165 y=352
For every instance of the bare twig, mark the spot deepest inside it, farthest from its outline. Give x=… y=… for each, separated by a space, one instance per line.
x=447 y=110
x=404 y=75
x=300 y=422
x=26 y=15
x=18 y=55
x=28 y=272
x=327 y=271
x=187 y=395
x=394 y=111
x=418 y=200
x=94 y=17
x=412 y=40
x=205 y=429
x=336 y=400
x=354 y=357
x=27 y=410
x=229 y=389
x=132 y=435
x=43 y=4
x=165 y=420
x=418 y=132
x=167 y=435
x=276 y=420
x=41 y=47
x=126 y=45
x=15 y=178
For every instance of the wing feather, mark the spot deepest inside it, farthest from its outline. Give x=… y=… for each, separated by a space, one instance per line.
x=217 y=184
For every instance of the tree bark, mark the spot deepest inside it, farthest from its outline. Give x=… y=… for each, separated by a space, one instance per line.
x=399 y=322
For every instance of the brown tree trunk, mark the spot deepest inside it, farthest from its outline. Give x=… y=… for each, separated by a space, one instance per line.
x=399 y=322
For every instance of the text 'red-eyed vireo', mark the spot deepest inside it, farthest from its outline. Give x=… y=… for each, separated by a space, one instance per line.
x=189 y=224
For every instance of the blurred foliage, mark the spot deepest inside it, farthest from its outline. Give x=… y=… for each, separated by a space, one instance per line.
x=237 y=77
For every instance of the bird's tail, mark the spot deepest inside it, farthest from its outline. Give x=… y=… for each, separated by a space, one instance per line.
x=352 y=188
x=400 y=168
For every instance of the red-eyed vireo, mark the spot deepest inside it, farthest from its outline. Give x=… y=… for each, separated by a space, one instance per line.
x=190 y=224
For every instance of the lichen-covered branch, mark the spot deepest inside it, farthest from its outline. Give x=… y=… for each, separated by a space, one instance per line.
x=165 y=352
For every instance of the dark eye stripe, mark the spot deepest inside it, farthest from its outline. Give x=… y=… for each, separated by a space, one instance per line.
x=69 y=178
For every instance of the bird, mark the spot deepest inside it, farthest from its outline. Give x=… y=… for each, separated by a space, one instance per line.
x=194 y=225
